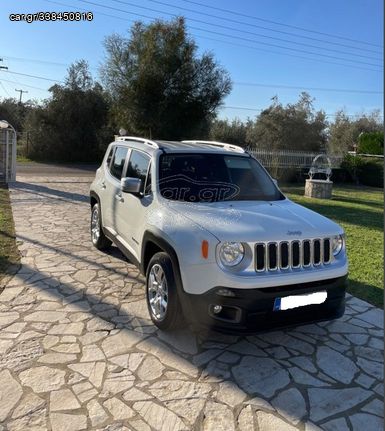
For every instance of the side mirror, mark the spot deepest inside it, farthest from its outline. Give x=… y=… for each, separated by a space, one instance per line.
x=275 y=181
x=131 y=185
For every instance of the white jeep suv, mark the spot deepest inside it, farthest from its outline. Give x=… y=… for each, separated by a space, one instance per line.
x=218 y=242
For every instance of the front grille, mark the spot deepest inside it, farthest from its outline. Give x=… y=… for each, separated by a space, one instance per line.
x=284 y=255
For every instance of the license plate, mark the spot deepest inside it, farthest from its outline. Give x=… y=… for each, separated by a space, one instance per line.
x=294 y=301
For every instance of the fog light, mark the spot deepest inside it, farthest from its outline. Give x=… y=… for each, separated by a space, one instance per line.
x=224 y=292
x=217 y=309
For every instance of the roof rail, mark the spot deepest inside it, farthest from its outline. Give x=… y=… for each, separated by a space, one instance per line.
x=228 y=147
x=136 y=139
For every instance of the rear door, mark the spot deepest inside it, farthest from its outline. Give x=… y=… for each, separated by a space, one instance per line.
x=112 y=192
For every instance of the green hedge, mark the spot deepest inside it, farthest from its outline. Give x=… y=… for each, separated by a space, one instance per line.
x=365 y=171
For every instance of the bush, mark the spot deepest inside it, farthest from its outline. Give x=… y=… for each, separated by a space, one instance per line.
x=365 y=171
x=371 y=143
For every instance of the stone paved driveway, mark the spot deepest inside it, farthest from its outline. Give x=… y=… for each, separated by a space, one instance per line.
x=77 y=350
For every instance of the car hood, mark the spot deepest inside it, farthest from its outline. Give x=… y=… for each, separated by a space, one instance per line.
x=250 y=221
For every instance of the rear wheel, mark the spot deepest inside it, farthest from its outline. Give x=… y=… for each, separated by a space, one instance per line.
x=162 y=295
x=99 y=240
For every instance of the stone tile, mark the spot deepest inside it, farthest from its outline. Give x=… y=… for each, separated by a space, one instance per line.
x=262 y=376
x=245 y=348
x=67 y=348
x=94 y=371
x=159 y=417
x=135 y=394
x=10 y=393
x=364 y=421
x=96 y=413
x=45 y=316
x=164 y=354
x=34 y=421
x=290 y=404
x=336 y=365
x=150 y=369
x=375 y=407
x=217 y=417
x=28 y=405
x=42 y=379
x=372 y=368
x=267 y=421
x=229 y=357
x=245 y=419
x=336 y=425
x=188 y=409
x=65 y=422
x=328 y=402
x=63 y=399
x=57 y=358
x=369 y=353
x=120 y=343
x=303 y=378
x=118 y=409
x=117 y=382
x=375 y=316
x=165 y=390
x=182 y=340
x=229 y=393
x=67 y=329
x=92 y=353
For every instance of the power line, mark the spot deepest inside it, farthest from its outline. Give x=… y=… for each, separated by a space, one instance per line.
x=333 y=90
x=250 y=84
x=33 y=76
x=261 y=27
x=222 y=41
x=240 y=30
x=31 y=60
x=24 y=85
x=6 y=91
x=244 y=108
x=280 y=23
x=232 y=36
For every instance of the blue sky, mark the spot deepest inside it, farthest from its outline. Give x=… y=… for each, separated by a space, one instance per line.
x=241 y=42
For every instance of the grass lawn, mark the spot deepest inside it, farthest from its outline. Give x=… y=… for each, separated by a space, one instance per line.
x=9 y=255
x=360 y=211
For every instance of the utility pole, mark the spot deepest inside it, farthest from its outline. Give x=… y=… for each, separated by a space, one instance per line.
x=21 y=93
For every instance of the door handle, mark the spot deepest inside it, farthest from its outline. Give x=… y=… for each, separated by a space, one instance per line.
x=119 y=197
x=103 y=185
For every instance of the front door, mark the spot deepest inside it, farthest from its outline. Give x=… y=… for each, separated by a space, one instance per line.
x=131 y=211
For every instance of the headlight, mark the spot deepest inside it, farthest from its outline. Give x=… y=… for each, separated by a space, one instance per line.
x=337 y=244
x=231 y=253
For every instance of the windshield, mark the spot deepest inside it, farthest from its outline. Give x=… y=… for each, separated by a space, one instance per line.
x=214 y=178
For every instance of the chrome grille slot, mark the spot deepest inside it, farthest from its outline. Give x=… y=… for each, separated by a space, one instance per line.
x=327 y=250
x=286 y=255
x=260 y=257
x=272 y=256
x=306 y=253
x=317 y=252
x=295 y=254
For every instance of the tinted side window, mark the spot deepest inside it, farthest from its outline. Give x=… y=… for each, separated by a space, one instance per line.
x=138 y=166
x=109 y=157
x=118 y=160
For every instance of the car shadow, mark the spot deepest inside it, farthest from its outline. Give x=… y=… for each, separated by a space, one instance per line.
x=43 y=191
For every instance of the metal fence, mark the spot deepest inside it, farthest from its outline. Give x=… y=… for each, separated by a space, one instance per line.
x=290 y=158
x=7 y=155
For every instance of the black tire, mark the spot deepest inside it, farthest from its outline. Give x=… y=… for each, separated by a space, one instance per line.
x=173 y=317
x=99 y=240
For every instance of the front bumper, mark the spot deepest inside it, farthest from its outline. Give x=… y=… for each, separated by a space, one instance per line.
x=251 y=310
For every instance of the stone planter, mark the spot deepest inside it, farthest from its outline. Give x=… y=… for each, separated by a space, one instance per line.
x=321 y=189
